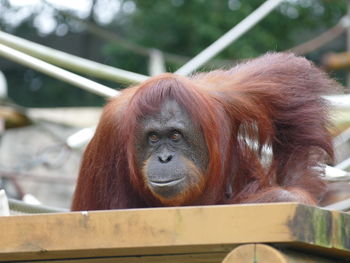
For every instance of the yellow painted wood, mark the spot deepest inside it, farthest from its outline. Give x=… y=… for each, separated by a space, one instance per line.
x=260 y=253
x=142 y=231
x=169 y=232
x=188 y=258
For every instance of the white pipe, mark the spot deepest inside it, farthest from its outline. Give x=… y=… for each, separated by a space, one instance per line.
x=69 y=61
x=3 y=86
x=339 y=101
x=343 y=205
x=334 y=173
x=4 y=204
x=342 y=138
x=80 y=138
x=344 y=164
x=156 y=62
x=56 y=72
x=229 y=37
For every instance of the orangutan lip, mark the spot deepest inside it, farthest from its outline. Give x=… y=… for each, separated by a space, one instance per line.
x=167 y=183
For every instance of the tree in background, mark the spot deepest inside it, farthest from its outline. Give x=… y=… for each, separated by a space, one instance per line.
x=122 y=34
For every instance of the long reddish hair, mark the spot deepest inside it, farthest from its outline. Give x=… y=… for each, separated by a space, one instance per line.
x=270 y=104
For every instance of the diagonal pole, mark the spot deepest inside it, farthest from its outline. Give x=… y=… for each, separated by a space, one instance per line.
x=56 y=72
x=70 y=62
x=229 y=37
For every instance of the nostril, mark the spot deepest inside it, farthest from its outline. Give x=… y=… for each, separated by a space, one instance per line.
x=165 y=159
x=169 y=158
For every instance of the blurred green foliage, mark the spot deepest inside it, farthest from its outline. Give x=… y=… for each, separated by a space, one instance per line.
x=179 y=27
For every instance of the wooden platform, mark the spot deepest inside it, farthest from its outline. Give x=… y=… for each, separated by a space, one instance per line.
x=186 y=234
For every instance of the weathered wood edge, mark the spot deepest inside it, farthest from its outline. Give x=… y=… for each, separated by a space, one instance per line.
x=321 y=230
x=172 y=231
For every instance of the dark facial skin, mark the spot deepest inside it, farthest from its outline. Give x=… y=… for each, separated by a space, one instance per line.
x=171 y=153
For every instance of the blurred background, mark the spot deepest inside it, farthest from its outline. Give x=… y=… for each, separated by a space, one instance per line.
x=39 y=113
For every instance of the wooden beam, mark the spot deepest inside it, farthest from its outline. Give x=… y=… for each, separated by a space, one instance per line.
x=171 y=258
x=182 y=231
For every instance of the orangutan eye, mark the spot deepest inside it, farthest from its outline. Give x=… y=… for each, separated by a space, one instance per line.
x=153 y=138
x=175 y=136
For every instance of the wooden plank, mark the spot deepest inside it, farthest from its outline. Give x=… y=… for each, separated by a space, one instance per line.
x=260 y=253
x=164 y=231
x=186 y=258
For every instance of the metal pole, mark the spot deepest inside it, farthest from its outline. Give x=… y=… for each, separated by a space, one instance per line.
x=341 y=102
x=56 y=72
x=343 y=205
x=229 y=37
x=343 y=165
x=70 y=62
x=156 y=63
x=348 y=46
